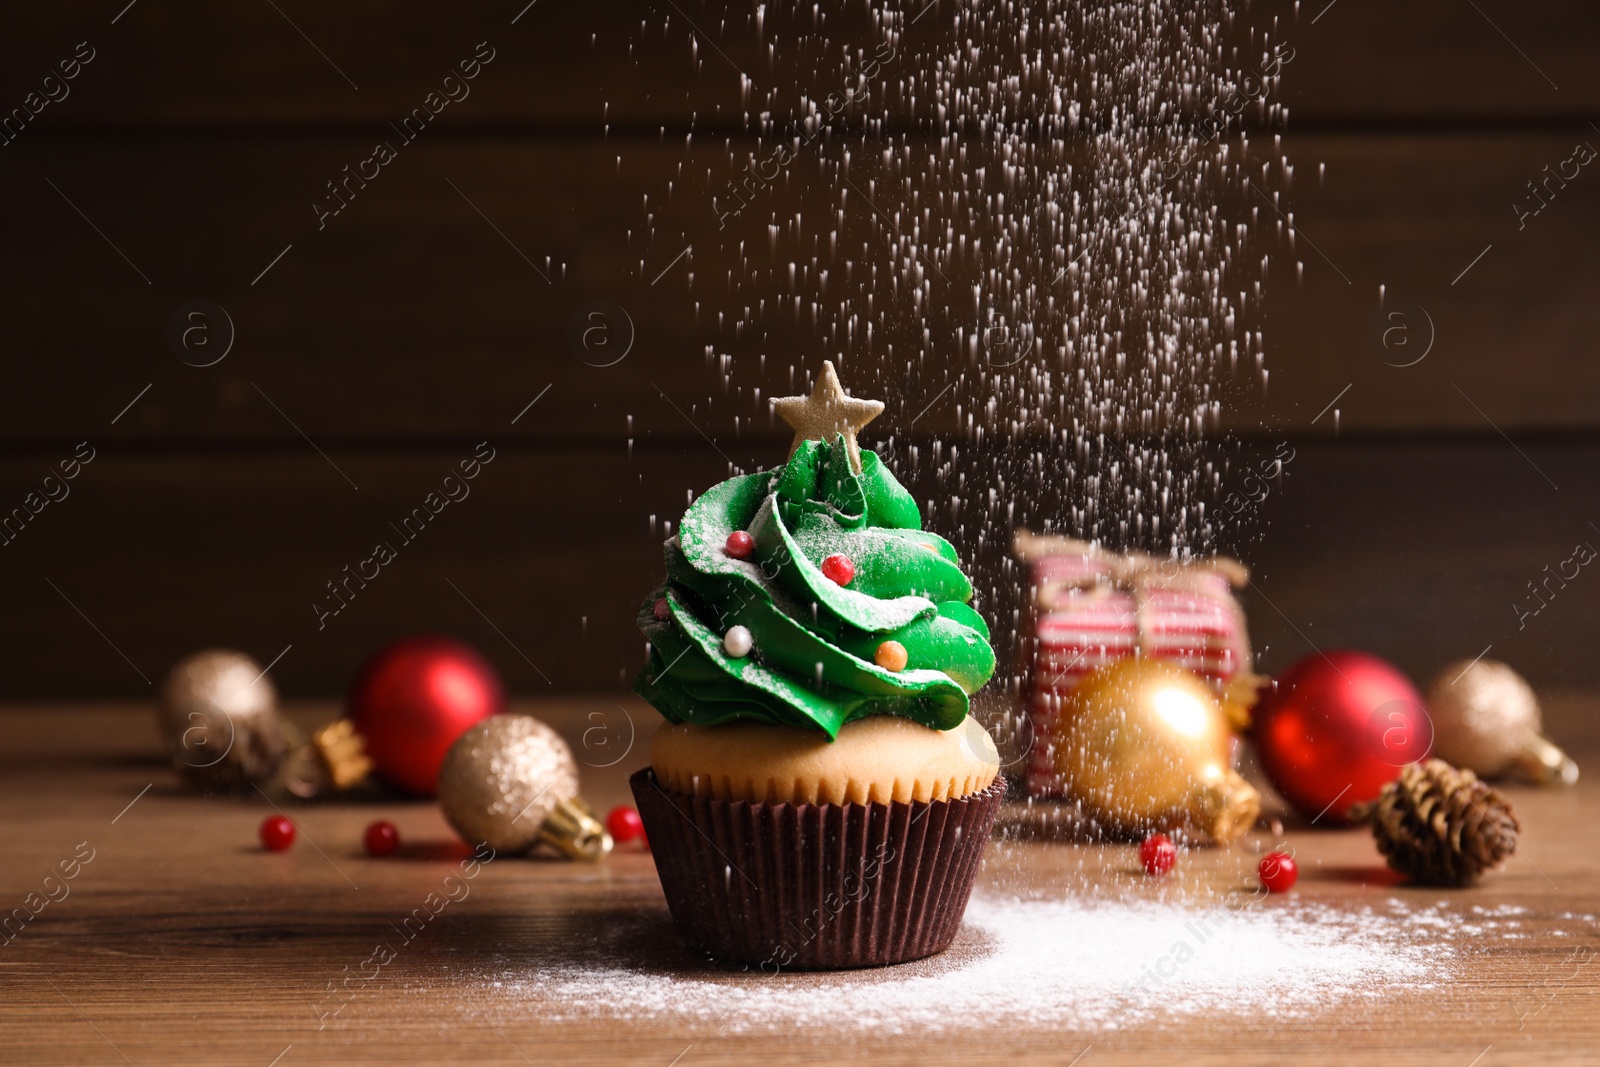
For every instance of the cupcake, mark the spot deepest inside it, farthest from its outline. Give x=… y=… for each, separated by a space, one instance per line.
x=819 y=797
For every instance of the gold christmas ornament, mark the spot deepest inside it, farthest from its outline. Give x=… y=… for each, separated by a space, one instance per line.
x=1486 y=719
x=1141 y=743
x=219 y=717
x=826 y=413
x=511 y=781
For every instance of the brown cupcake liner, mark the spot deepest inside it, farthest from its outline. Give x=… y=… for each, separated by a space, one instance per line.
x=816 y=886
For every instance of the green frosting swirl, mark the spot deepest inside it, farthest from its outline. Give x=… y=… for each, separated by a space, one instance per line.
x=812 y=664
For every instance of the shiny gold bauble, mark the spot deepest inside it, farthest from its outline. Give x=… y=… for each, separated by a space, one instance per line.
x=220 y=721
x=1141 y=743
x=1486 y=719
x=511 y=782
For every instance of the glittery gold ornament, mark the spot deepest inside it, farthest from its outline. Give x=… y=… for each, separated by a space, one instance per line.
x=1486 y=719
x=219 y=717
x=1141 y=743
x=826 y=413
x=511 y=781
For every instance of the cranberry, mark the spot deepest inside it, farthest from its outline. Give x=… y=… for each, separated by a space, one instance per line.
x=1158 y=854
x=624 y=825
x=381 y=839
x=277 y=833
x=1278 y=872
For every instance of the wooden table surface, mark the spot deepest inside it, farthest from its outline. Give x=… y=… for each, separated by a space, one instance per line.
x=180 y=941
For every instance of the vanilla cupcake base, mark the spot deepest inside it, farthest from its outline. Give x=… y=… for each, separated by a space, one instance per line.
x=782 y=850
x=781 y=887
x=878 y=760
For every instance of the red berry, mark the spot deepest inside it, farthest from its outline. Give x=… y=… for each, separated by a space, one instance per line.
x=381 y=839
x=624 y=825
x=1278 y=872
x=662 y=610
x=739 y=545
x=1158 y=854
x=277 y=833
x=840 y=570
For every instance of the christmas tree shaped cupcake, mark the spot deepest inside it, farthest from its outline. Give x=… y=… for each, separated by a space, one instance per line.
x=820 y=796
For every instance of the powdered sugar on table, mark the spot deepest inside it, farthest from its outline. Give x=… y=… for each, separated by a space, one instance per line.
x=1084 y=965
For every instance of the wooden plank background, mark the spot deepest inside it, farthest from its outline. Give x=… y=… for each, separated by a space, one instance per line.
x=413 y=327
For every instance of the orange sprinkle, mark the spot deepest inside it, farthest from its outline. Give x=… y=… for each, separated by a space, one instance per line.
x=891 y=656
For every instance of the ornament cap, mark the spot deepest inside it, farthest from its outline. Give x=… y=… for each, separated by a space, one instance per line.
x=1240 y=697
x=1542 y=762
x=1226 y=808
x=341 y=755
x=573 y=828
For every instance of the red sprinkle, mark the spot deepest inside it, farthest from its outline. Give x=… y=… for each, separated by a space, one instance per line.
x=662 y=611
x=739 y=545
x=839 y=569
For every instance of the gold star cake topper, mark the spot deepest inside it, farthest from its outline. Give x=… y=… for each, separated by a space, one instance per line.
x=826 y=413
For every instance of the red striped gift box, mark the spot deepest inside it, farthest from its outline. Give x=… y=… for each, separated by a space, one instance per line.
x=1092 y=607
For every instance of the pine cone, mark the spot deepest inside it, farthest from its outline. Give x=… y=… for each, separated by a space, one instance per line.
x=1440 y=825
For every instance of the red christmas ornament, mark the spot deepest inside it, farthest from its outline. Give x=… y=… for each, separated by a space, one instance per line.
x=277 y=833
x=739 y=545
x=624 y=825
x=839 y=569
x=413 y=699
x=381 y=839
x=1278 y=872
x=1336 y=729
x=1158 y=854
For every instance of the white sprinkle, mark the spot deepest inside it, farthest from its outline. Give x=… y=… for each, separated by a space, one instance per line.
x=738 y=642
